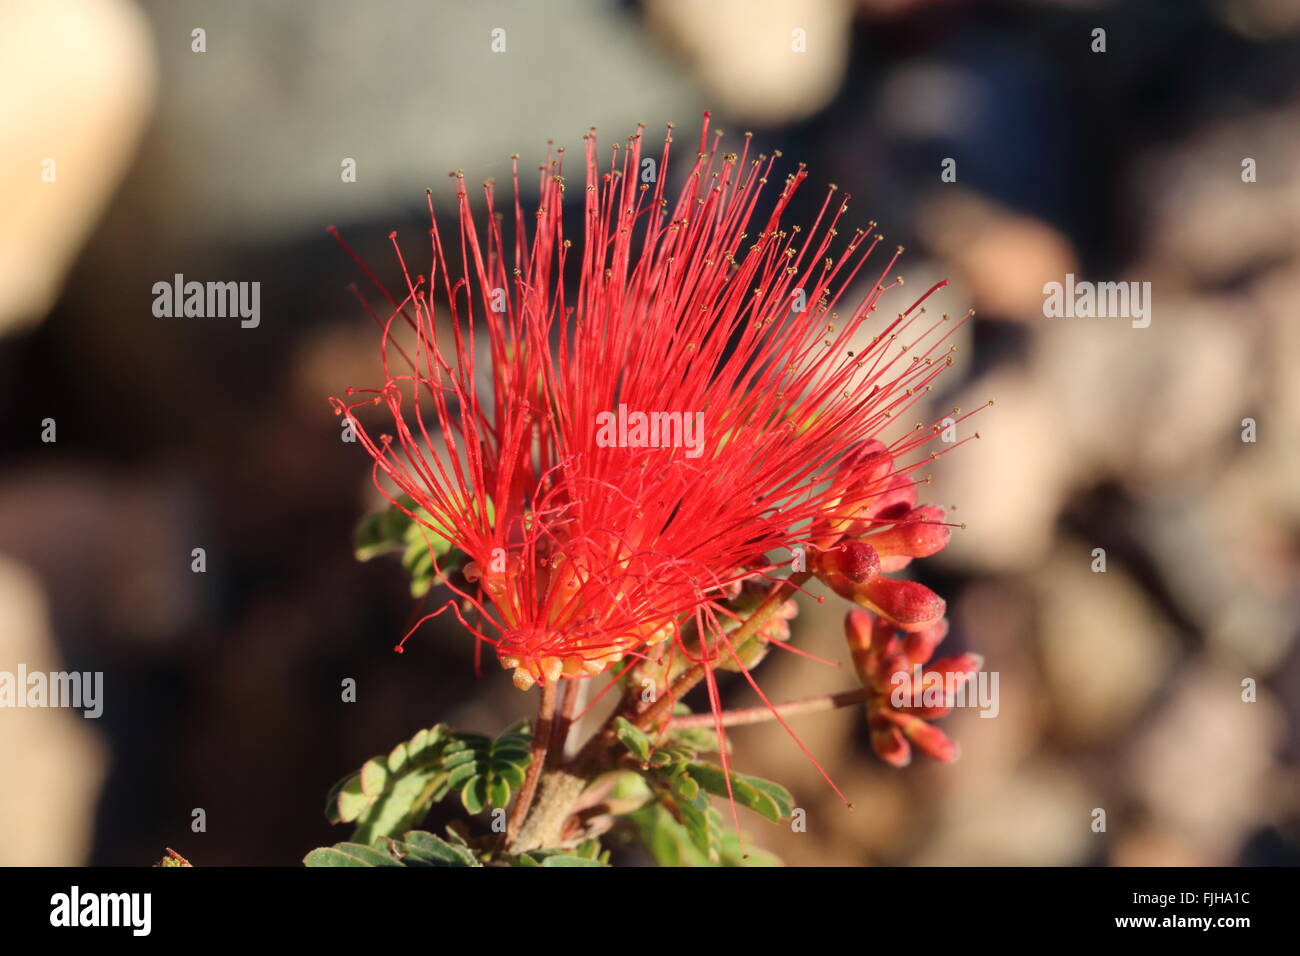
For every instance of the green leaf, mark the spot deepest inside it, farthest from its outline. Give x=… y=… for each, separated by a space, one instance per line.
x=698 y=739
x=762 y=796
x=397 y=758
x=691 y=809
x=416 y=848
x=349 y=854
x=420 y=539
x=685 y=787
x=671 y=756
x=383 y=801
x=732 y=854
x=702 y=827
x=421 y=848
x=417 y=559
x=670 y=844
x=778 y=794
x=588 y=853
x=381 y=533
x=416 y=744
x=392 y=794
x=486 y=772
x=349 y=801
x=474 y=795
x=634 y=739
x=562 y=859
x=374 y=774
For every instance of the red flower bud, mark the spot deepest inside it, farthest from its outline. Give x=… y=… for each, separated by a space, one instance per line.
x=888 y=742
x=846 y=567
x=918 y=534
x=887 y=679
x=909 y=605
x=919 y=645
x=858 y=629
x=896 y=500
x=927 y=738
x=964 y=666
x=861 y=477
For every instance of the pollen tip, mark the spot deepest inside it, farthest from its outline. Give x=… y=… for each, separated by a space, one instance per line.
x=398 y=649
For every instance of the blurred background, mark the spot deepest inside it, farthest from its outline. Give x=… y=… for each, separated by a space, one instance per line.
x=1120 y=691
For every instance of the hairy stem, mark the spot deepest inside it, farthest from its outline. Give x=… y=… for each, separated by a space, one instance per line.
x=542 y=732
x=544 y=826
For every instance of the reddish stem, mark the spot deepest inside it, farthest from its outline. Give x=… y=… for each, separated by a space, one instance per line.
x=756 y=715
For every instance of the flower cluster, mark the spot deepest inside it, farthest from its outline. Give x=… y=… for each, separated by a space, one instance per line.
x=902 y=698
x=583 y=552
x=876 y=528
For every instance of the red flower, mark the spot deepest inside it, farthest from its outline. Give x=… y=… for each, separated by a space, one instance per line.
x=903 y=699
x=595 y=533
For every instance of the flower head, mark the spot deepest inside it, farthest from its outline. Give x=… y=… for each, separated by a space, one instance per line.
x=619 y=427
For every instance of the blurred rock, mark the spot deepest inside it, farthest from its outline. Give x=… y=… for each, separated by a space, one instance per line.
x=1010 y=484
x=1039 y=817
x=1104 y=647
x=53 y=758
x=1201 y=221
x=1203 y=764
x=95 y=72
x=255 y=130
x=1004 y=257
x=746 y=52
x=1148 y=406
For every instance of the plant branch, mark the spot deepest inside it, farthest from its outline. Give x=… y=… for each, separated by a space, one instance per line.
x=693 y=675
x=542 y=733
x=569 y=704
x=589 y=756
x=756 y=715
